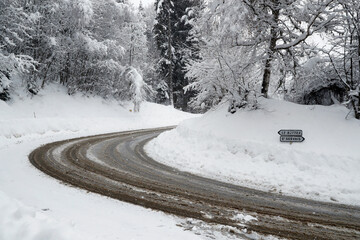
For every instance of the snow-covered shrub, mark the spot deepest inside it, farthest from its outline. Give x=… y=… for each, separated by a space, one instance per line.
x=316 y=83
x=138 y=90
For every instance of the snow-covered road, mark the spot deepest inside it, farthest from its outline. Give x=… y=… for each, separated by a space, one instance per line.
x=119 y=168
x=34 y=206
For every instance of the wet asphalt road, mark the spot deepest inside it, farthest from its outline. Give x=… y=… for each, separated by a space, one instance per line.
x=116 y=165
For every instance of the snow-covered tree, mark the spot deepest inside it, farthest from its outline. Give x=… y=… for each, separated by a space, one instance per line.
x=247 y=45
x=342 y=55
x=176 y=45
x=133 y=38
x=82 y=44
x=287 y=24
x=163 y=29
x=138 y=90
x=332 y=73
x=16 y=28
x=224 y=70
x=187 y=48
x=350 y=70
x=152 y=57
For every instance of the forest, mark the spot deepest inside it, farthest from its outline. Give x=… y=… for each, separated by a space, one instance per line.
x=191 y=54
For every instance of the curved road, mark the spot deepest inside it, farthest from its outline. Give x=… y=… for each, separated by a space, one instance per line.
x=115 y=165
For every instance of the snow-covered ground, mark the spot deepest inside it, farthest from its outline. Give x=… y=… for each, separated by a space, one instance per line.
x=54 y=111
x=244 y=148
x=34 y=206
x=241 y=148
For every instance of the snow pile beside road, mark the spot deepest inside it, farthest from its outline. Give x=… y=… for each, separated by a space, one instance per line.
x=244 y=148
x=20 y=222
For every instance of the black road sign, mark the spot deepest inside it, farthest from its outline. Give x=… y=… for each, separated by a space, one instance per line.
x=291 y=139
x=290 y=132
x=291 y=135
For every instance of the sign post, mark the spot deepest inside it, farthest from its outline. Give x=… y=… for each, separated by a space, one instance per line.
x=291 y=135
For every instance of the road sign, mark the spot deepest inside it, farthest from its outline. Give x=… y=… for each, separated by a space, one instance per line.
x=290 y=132
x=291 y=135
x=291 y=139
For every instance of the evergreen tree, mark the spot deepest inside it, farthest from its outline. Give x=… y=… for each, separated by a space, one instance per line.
x=187 y=48
x=176 y=46
x=163 y=30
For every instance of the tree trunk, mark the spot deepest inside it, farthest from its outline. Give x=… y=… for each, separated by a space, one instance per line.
x=130 y=56
x=266 y=76
x=271 y=52
x=132 y=47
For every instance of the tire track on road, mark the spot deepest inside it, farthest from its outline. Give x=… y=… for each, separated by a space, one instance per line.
x=119 y=168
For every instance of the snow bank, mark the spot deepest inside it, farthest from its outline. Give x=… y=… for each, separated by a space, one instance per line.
x=20 y=222
x=244 y=149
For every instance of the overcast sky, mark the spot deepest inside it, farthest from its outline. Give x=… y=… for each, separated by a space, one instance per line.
x=145 y=2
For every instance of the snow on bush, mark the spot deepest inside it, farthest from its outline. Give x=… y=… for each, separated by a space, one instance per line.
x=139 y=90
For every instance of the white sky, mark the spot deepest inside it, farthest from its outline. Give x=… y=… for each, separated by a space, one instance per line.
x=145 y=2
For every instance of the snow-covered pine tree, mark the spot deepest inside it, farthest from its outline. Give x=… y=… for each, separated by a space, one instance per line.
x=163 y=30
x=187 y=48
x=172 y=31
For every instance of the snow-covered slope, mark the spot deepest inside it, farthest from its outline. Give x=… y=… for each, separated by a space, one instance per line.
x=244 y=148
x=55 y=111
x=34 y=206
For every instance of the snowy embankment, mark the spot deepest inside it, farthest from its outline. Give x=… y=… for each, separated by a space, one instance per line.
x=34 y=206
x=54 y=111
x=244 y=149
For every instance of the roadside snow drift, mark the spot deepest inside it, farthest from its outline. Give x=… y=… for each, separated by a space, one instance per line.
x=244 y=149
x=20 y=222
